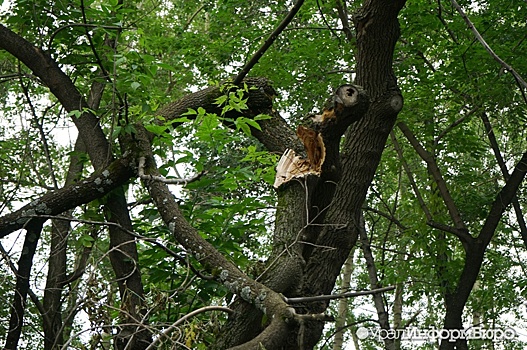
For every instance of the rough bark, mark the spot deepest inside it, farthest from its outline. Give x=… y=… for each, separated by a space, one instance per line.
x=56 y=279
x=56 y=202
x=44 y=67
x=275 y=134
x=266 y=300
x=302 y=202
x=362 y=150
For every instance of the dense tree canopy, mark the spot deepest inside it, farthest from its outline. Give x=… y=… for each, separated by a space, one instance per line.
x=228 y=174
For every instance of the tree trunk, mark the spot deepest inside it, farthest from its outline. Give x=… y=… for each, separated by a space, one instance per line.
x=365 y=139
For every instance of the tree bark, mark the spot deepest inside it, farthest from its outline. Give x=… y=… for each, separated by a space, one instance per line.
x=25 y=262
x=362 y=150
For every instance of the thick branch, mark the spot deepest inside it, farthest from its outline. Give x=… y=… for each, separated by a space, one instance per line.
x=502 y=201
x=505 y=172
x=436 y=173
x=377 y=31
x=25 y=263
x=32 y=295
x=321 y=137
x=455 y=302
x=275 y=134
x=225 y=272
x=85 y=191
x=44 y=67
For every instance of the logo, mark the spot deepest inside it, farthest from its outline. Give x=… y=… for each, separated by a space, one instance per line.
x=433 y=334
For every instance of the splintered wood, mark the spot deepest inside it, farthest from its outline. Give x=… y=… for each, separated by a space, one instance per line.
x=293 y=166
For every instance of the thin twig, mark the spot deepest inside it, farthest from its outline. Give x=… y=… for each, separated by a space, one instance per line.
x=134 y=234
x=337 y=296
x=189 y=21
x=454 y=124
x=482 y=41
x=183 y=319
x=87 y=25
x=410 y=176
x=143 y=176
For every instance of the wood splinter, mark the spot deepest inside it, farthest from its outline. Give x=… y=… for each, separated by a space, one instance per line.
x=347 y=105
x=293 y=166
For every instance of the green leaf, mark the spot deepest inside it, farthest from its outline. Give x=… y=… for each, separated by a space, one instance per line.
x=86 y=241
x=76 y=113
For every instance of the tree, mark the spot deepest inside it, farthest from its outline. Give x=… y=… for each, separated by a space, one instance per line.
x=160 y=235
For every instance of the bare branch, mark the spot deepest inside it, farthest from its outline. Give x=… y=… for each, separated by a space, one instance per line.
x=267 y=44
x=143 y=176
x=454 y=124
x=337 y=296
x=267 y=300
x=25 y=262
x=382 y=312
x=463 y=236
x=344 y=19
x=68 y=197
x=482 y=41
x=183 y=319
x=134 y=234
x=436 y=173
x=32 y=295
x=410 y=176
x=505 y=172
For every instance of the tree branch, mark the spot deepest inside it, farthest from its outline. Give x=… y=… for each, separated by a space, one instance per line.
x=463 y=236
x=267 y=44
x=173 y=326
x=382 y=313
x=410 y=176
x=505 y=172
x=491 y=52
x=32 y=295
x=68 y=197
x=275 y=134
x=436 y=173
x=45 y=68
x=344 y=19
x=143 y=176
x=337 y=296
x=224 y=271
x=25 y=262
